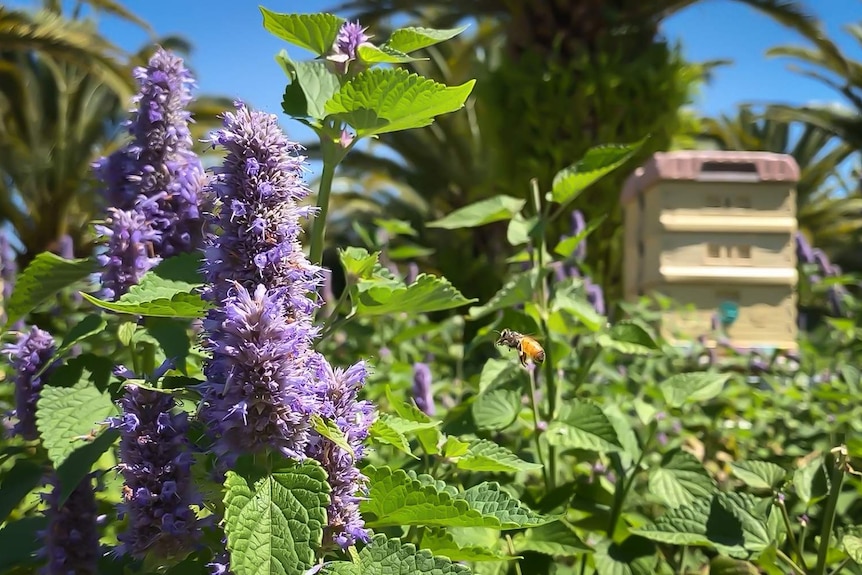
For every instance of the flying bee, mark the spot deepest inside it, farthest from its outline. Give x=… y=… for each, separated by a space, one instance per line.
x=526 y=346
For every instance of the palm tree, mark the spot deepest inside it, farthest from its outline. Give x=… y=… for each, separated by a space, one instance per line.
x=64 y=91
x=827 y=213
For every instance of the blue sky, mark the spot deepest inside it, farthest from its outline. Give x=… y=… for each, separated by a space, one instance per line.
x=234 y=56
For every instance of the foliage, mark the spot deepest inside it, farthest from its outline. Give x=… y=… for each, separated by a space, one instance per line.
x=615 y=453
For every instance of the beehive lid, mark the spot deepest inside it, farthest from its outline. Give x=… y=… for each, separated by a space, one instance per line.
x=710 y=166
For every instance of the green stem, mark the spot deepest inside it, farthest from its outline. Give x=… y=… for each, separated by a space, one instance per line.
x=831 y=506
x=681 y=570
x=791 y=537
x=536 y=433
x=841 y=566
x=621 y=494
x=512 y=552
x=790 y=563
x=332 y=155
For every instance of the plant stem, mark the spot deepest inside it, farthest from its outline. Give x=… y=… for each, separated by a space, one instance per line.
x=841 y=566
x=536 y=433
x=797 y=550
x=332 y=155
x=681 y=570
x=790 y=563
x=837 y=479
x=620 y=494
x=511 y=545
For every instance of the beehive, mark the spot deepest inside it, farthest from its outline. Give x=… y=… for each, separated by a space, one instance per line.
x=706 y=227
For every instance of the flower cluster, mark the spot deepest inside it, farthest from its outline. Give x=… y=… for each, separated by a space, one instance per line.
x=422 y=388
x=130 y=253
x=33 y=350
x=155 y=462
x=807 y=255
x=574 y=268
x=345 y=48
x=71 y=540
x=156 y=179
x=264 y=380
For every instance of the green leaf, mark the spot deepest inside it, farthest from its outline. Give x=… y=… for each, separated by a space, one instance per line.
x=692 y=387
x=759 y=474
x=328 y=429
x=721 y=565
x=173 y=338
x=567 y=246
x=555 y=539
x=580 y=309
x=182 y=272
x=680 y=480
x=599 y=161
x=454 y=447
x=629 y=338
x=16 y=483
x=429 y=436
x=518 y=232
x=316 y=80
x=442 y=543
x=47 y=275
x=396 y=498
x=382 y=100
x=726 y=521
x=383 y=431
x=493 y=209
x=274 y=523
x=391 y=557
x=312 y=32
x=383 y=55
x=80 y=462
x=20 y=540
x=412 y=38
x=811 y=482
x=185 y=305
x=499 y=401
x=583 y=425
x=484 y=455
x=90 y=325
x=853 y=547
x=408 y=251
x=633 y=556
x=428 y=293
x=358 y=263
x=64 y=415
x=517 y=290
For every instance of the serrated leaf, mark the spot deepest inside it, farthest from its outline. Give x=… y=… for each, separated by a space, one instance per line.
x=312 y=32
x=811 y=482
x=80 y=462
x=726 y=521
x=315 y=79
x=484 y=455
x=372 y=54
x=396 y=498
x=173 y=338
x=357 y=262
x=566 y=247
x=385 y=556
x=555 y=539
x=442 y=543
x=384 y=432
x=46 y=275
x=180 y=305
x=599 y=161
x=517 y=290
x=580 y=309
x=680 y=480
x=583 y=425
x=496 y=409
x=692 y=387
x=90 y=325
x=429 y=437
x=759 y=474
x=633 y=556
x=16 y=483
x=382 y=100
x=454 y=447
x=66 y=414
x=493 y=209
x=328 y=429
x=411 y=38
x=428 y=293
x=852 y=546
x=274 y=523
x=629 y=338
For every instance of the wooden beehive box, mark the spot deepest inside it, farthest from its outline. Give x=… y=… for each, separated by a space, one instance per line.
x=706 y=227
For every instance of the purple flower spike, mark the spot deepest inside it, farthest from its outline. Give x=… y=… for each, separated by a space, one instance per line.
x=578 y=226
x=422 y=388
x=130 y=252
x=353 y=418
x=158 y=174
x=156 y=465
x=30 y=353
x=345 y=48
x=804 y=251
x=72 y=538
x=595 y=296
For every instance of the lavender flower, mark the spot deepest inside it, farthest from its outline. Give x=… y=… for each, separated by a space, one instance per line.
x=158 y=174
x=804 y=251
x=353 y=418
x=345 y=48
x=578 y=226
x=30 y=353
x=8 y=271
x=259 y=392
x=156 y=465
x=422 y=388
x=72 y=538
x=595 y=296
x=130 y=250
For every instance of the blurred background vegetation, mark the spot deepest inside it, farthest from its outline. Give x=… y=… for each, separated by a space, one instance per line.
x=555 y=78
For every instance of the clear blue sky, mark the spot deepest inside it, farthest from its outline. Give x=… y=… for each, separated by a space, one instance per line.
x=234 y=55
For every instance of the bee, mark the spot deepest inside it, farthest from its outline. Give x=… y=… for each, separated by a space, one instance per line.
x=526 y=346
